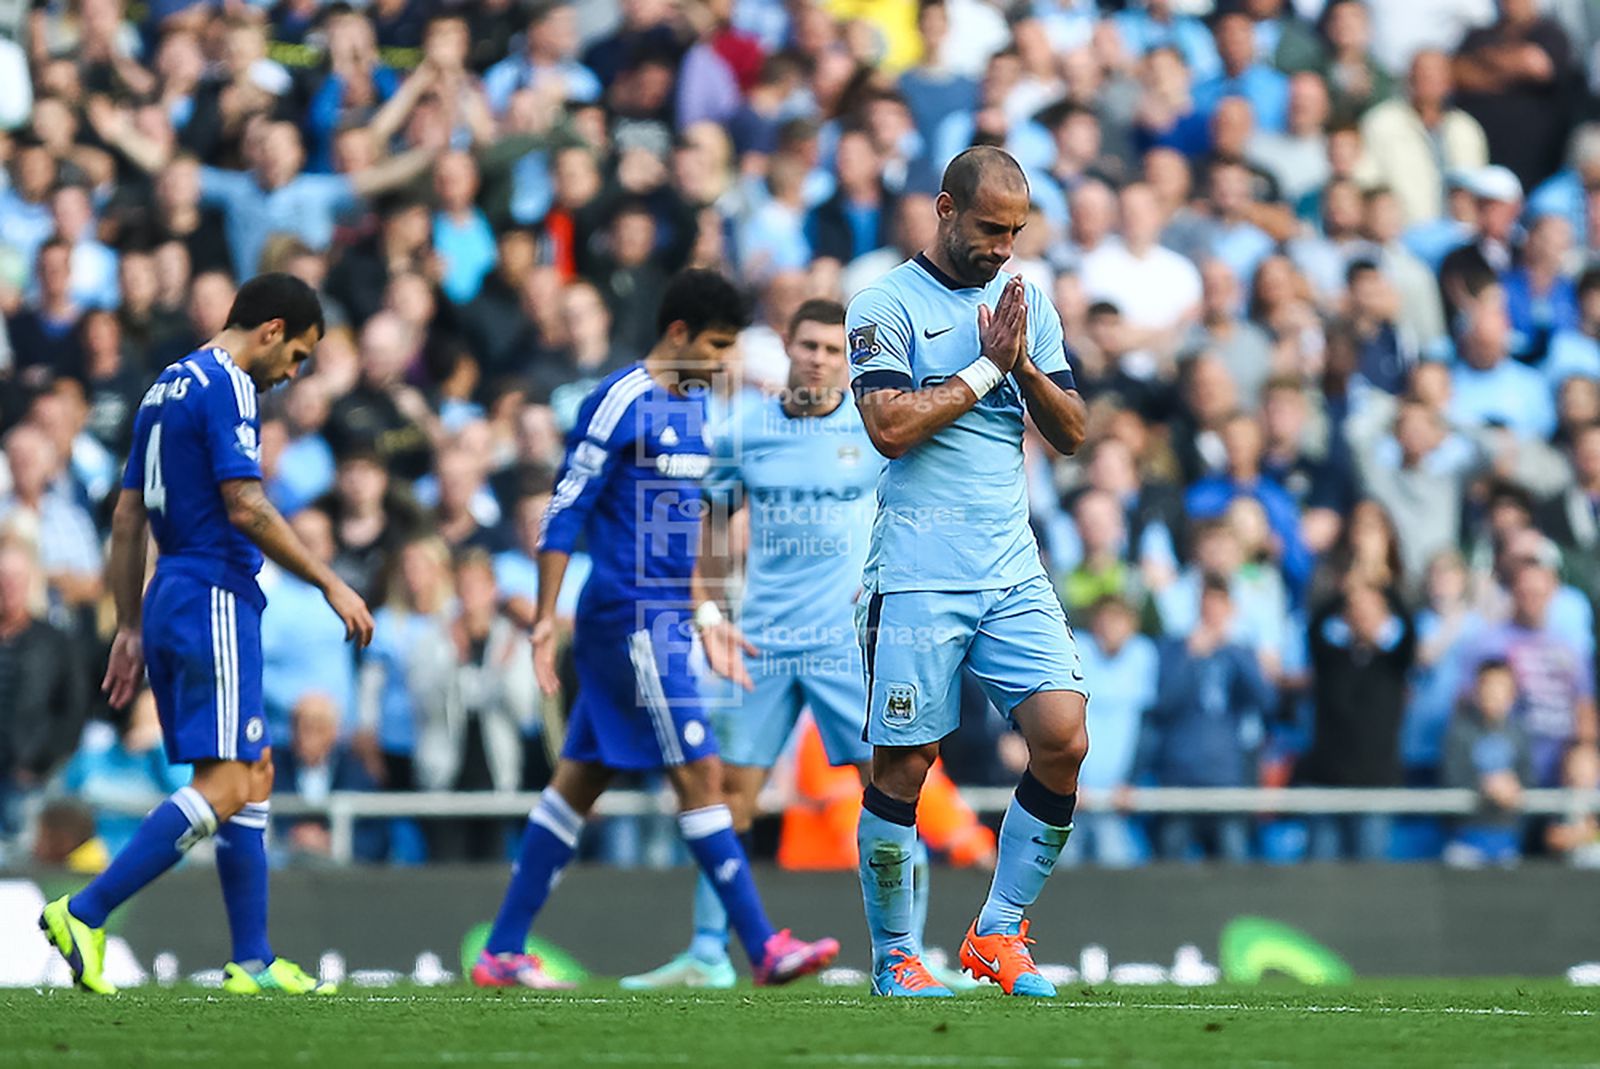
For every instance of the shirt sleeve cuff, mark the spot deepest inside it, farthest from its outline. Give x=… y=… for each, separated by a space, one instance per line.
x=872 y=381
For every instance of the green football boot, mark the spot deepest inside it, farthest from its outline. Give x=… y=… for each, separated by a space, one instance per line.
x=685 y=970
x=83 y=947
x=281 y=977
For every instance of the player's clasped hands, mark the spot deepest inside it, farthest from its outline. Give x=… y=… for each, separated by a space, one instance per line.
x=1001 y=332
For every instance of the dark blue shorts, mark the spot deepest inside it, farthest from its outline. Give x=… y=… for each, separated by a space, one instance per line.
x=202 y=648
x=638 y=704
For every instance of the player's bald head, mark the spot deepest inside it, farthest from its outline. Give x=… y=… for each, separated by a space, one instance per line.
x=985 y=169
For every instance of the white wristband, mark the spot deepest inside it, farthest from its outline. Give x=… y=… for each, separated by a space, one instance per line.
x=707 y=614
x=981 y=375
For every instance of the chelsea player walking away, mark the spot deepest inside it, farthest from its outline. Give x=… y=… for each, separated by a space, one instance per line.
x=631 y=486
x=194 y=481
x=803 y=468
x=946 y=355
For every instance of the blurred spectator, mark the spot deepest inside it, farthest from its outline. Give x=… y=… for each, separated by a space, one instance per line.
x=25 y=222
x=303 y=646
x=549 y=45
x=1326 y=256
x=1125 y=666
x=631 y=279
x=39 y=513
x=1566 y=193
x=402 y=243
x=1488 y=387
x=1486 y=751
x=414 y=613
x=304 y=468
x=473 y=686
x=1514 y=77
x=1115 y=368
x=461 y=232
x=1168 y=115
x=43 y=334
x=1555 y=679
x=142 y=319
x=1242 y=439
x=371 y=517
x=773 y=237
x=206 y=303
x=1575 y=347
x=1572 y=518
x=1157 y=291
x=1297 y=158
x=466 y=514
x=1235 y=236
x=112 y=386
x=1488 y=257
x=932 y=89
x=856 y=220
x=1445 y=622
x=1413 y=141
x=1363 y=645
x=1576 y=838
x=1242 y=347
x=1385 y=349
x=566 y=375
x=121 y=770
x=1420 y=314
x=383 y=409
x=43 y=691
x=1540 y=296
x=93 y=266
x=1244 y=74
x=1204 y=726
x=313 y=765
x=1149 y=24
x=1353 y=76
x=1102 y=569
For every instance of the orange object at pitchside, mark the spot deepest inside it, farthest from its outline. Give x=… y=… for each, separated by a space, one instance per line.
x=819 y=828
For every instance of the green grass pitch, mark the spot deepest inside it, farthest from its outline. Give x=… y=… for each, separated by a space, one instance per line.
x=1366 y=1024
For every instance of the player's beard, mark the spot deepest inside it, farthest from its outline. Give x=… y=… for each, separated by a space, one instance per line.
x=974 y=271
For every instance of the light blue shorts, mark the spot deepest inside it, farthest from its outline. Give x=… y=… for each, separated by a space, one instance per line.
x=1015 y=641
x=753 y=726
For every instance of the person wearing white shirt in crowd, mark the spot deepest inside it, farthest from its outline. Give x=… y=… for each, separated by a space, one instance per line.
x=1412 y=141
x=1157 y=290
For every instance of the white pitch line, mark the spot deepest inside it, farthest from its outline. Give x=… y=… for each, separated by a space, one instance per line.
x=1246 y=1007
x=522 y=999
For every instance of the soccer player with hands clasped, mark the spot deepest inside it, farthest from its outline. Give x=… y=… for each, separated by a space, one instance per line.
x=947 y=356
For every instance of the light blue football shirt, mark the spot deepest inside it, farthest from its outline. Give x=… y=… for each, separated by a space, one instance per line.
x=808 y=484
x=952 y=512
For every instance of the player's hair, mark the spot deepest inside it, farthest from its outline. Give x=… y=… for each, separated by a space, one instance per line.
x=818 y=310
x=276 y=295
x=702 y=300
x=968 y=170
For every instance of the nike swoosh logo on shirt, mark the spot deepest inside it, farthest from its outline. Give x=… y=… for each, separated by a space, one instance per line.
x=932 y=334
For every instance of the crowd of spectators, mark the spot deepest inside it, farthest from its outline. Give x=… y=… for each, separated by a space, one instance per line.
x=1329 y=271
